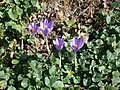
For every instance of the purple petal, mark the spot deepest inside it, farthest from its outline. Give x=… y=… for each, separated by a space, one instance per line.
x=80 y=43
x=50 y=25
x=56 y=46
x=34 y=24
x=71 y=44
x=46 y=32
x=41 y=25
x=62 y=42
x=58 y=43
x=30 y=26
x=36 y=27
x=74 y=40
x=46 y=21
x=54 y=42
x=58 y=40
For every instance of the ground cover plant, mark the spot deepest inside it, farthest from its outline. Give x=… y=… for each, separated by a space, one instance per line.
x=59 y=45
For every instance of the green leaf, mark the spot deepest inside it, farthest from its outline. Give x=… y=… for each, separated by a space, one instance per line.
x=1 y=14
x=97 y=78
x=53 y=79
x=115 y=4
x=15 y=61
x=45 y=88
x=11 y=88
x=20 y=77
x=3 y=84
x=33 y=64
x=101 y=68
x=19 y=10
x=25 y=82
x=2 y=75
x=111 y=88
x=117 y=29
x=11 y=81
x=108 y=19
x=115 y=80
x=86 y=81
x=38 y=5
x=12 y=14
x=93 y=87
x=43 y=5
x=34 y=2
x=66 y=79
x=39 y=55
x=31 y=88
x=47 y=81
x=76 y=79
x=52 y=70
x=104 y=13
x=2 y=50
x=117 y=63
x=99 y=42
x=58 y=84
x=17 y=1
x=31 y=40
x=116 y=73
x=86 y=29
x=71 y=23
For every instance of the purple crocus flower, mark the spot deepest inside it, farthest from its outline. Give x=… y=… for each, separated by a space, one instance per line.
x=33 y=28
x=76 y=44
x=59 y=43
x=46 y=26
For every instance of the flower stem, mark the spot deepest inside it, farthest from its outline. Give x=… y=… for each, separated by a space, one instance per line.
x=47 y=45
x=60 y=59
x=76 y=65
x=22 y=44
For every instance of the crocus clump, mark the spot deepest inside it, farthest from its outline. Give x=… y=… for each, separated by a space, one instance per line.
x=33 y=28
x=46 y=26
x=59 y=43
x=76 y=44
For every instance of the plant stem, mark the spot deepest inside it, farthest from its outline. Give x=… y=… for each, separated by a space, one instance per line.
x=22 y=43
x=76 y=65
x=60 y=59
x=47 y=45
x=36 y=43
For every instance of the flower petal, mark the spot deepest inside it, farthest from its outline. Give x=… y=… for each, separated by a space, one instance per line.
x=34 y=24
x=74 y=40
x=36 y=27
x=80 y=43
x=58 y=43
x=56 y=46
x=71 y=44
x=30 y=26
x=50 y=26
x=58 y=40
x=54 y=42
x=45 y=31
x=46 y=21
x=62 y=41
x=41 y=25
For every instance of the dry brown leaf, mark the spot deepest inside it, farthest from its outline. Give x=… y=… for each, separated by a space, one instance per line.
x=85 y=36
x=60 y=15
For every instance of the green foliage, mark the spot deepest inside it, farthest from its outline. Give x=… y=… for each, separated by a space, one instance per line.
x=27 y=69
